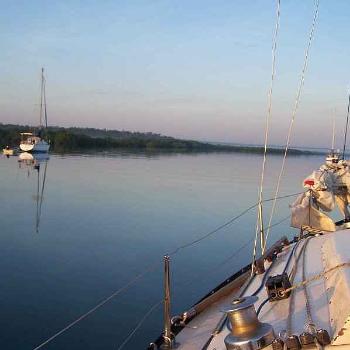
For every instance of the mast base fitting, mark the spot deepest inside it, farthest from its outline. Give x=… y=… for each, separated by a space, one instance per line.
x=292 y=342
x=276 y=287
x=168 y=343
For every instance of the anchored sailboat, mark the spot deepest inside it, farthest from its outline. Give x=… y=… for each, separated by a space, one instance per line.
x=36 y=141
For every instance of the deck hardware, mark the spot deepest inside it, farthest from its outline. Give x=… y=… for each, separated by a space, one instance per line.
x=292 y=342
x=277 y=344
x=168 y=337
x=247 y=332
x=323 y=337
x=276 y=287
x=259 y=267
x=152 y=346
x=306 y=339
x=272 y=256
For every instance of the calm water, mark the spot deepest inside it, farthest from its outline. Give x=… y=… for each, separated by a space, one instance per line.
x=103 y=220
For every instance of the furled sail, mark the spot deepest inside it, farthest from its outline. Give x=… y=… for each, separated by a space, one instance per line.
x=325 y=188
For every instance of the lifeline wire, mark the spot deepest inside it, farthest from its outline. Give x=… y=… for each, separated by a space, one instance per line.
x=296 y=105
x=150 y=269
x=126 y=286
x=267 y=122
x=232 y=255
x=229 y=222
x=143 y=319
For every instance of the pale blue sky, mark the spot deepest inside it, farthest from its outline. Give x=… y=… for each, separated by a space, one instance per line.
x=190 y=69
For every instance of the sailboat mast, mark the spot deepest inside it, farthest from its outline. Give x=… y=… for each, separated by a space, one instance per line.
x=346 y=127
x=333 y=134
x=41 y=99
x=45 y=110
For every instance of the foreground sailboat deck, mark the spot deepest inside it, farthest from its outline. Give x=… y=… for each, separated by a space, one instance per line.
x=320 y=303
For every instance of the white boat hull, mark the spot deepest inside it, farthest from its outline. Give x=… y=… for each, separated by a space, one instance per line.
x=41 y=146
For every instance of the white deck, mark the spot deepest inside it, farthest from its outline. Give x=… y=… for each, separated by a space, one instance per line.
x=322 y=253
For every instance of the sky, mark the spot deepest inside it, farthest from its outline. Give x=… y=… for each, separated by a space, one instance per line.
x=189 y=69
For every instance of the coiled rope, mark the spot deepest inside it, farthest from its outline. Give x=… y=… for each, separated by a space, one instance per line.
x=294 y=112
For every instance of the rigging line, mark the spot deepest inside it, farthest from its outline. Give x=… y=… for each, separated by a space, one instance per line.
x=295 y=109
x=306 y=293
x=346 y=127
x=255 y=245
x=283 y=197
x=218 y=266
x=233 y=255
x=291 y=278
x=147 y=270
x=268 y=117
x=103 y=302
x=140 y=323
x=186 y=245
x=256 y=239
x=229 y=222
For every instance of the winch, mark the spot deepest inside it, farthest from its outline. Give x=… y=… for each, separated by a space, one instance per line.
x=247 y=332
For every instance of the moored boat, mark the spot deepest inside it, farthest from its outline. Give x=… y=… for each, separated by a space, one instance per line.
x=37 y=141
x=7 y=151
x=33 y=143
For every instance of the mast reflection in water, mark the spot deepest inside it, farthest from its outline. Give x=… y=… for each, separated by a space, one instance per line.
x=36 y=163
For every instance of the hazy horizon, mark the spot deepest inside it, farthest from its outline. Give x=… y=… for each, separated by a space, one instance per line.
x=191 y=70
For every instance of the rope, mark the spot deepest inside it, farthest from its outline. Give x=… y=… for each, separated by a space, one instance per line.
x=317 y=277
x=143 y=319
x=103 y=302
x=229 y=222
x=306 y=294
x=296 y=105
x=268 y=117
x=291 y=277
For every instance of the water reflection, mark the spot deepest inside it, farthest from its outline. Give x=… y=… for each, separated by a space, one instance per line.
x=36 y=163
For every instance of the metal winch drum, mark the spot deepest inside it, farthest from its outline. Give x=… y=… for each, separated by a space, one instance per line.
x=247 y=332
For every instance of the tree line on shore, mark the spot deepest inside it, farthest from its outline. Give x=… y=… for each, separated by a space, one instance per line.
x=79 y=139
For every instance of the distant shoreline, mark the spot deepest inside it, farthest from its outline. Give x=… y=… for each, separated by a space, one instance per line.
x=65 y=140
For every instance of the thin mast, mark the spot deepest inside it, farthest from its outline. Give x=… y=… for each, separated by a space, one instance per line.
x=41 y=98
x=45 y=110
x=346 y=127
x=333 y=134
